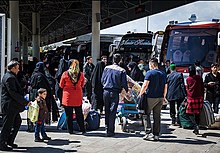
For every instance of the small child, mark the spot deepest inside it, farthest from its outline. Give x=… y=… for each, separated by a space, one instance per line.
x=43 y=114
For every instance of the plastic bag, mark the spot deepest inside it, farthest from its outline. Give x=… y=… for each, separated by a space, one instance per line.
x=33 y=111
x=86 y=106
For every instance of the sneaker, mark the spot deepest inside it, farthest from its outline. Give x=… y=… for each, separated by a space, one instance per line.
x=13 y=145
x=156 y=138
x=46 y=138
x=38 y=140
x=196 y=130
x=5 y=148
x=149 y=136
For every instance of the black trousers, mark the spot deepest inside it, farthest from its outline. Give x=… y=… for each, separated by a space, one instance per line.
x=11 y=124
x=79 y=118
x=111 y=100
x=173 y=109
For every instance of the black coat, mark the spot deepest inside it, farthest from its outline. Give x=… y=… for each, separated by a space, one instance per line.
x=136 y=74
x=212 y=90
x=176 y=88
x=39 y=80
x=12 y=94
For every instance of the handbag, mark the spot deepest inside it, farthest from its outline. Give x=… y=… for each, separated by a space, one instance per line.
x=33 y=111
x=142 y=104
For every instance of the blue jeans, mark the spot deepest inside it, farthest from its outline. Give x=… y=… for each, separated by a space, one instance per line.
x=40 y=128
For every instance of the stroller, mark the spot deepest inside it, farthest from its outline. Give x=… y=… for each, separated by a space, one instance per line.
x=128 y=102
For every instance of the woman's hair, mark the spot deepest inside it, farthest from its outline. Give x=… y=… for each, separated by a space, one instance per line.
x=74 y=70
x=192 y=70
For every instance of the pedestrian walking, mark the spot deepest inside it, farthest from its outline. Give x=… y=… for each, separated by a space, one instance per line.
x=155 y=88
x=113 y=81
x=72 y=82
x=195 y=96
x=176 y=93
x=13 y=102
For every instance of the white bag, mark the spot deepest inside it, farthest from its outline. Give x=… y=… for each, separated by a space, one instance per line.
x=86 y=106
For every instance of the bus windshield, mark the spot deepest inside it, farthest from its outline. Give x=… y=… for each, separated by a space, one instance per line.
x=185 y=46
x=135 y=42
x=135 y=46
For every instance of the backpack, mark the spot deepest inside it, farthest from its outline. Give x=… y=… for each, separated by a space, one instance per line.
x=93 y=120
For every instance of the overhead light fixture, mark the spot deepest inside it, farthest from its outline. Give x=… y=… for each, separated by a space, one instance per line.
x=139 y=9
x=107 y=21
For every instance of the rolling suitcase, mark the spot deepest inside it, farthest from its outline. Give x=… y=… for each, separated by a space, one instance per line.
x=206 y=115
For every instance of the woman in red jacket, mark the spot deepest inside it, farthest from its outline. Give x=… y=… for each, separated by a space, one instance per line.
x=195 y=95
x=72 y=82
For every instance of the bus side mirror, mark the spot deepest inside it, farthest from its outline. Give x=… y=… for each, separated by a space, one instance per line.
x=218 y=38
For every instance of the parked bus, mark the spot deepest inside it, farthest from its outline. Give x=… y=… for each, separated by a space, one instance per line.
x=135 y=46
x=184 y=43
x=157 y=44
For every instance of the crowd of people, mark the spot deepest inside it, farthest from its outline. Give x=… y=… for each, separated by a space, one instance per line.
x=101 y=84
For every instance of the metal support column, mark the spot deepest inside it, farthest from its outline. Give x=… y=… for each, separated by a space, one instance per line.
x=24 y=45
x=15 y=33
x=96 y=18
x=36 y=35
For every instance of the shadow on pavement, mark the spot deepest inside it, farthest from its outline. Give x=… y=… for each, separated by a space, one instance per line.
x=41 y=150
x=117 y=135
x=187 y=141
x=212 y=134
x=61 y=142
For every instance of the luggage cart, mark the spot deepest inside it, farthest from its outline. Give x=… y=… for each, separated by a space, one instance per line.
x=127 y=107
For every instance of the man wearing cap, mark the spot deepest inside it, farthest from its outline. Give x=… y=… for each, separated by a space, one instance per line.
x=13 y=103
x=176 y=92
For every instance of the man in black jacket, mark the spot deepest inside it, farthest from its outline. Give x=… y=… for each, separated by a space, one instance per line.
x=13 y=103
x=176 y=93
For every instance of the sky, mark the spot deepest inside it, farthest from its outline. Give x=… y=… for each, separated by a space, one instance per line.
x=204 y=10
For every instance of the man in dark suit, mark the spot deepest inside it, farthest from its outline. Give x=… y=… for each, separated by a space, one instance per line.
x=13 y=103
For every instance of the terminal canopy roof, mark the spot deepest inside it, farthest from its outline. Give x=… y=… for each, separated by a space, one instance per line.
x=63 y=19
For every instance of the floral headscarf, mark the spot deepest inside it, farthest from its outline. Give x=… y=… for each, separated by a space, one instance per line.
x=73 y=70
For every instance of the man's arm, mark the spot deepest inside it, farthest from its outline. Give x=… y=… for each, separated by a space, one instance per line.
x=144 y=87
x=165 y=91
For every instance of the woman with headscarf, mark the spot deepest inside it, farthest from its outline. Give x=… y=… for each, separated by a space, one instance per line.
x=72 y=82
x=135 y=72
x=97 y=88
x=39 y=80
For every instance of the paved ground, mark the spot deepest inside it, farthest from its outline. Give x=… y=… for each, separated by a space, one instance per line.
x=173 y=140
